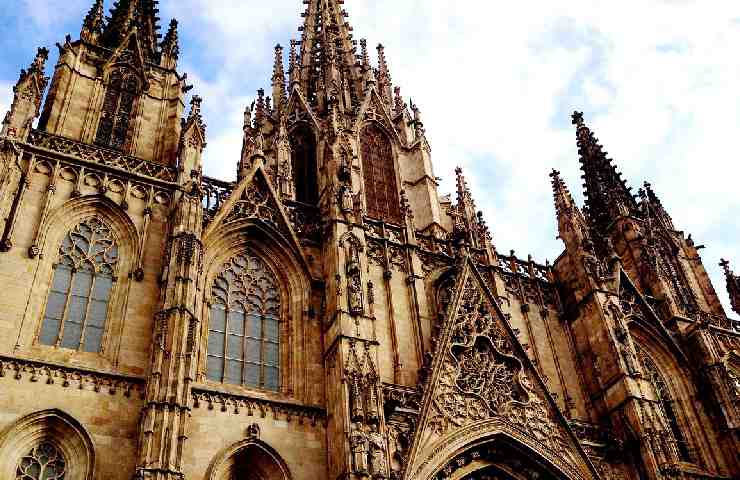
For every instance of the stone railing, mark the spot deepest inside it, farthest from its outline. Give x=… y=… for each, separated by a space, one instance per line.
x=102 y=156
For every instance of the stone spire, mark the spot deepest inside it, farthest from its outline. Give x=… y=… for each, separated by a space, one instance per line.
x=468 y=223
x=278 y=79
x=385 y=86
x=28 y=92
x=607 y=195
x=570 y=218
x=127 y=15
x=170 y=48
x=733 y=285
x=653 y=208
x=92 y=26
x=327 y=50
x=294 y=69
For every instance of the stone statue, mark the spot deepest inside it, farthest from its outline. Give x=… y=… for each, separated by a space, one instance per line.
x=359 y=445
x=378 y=464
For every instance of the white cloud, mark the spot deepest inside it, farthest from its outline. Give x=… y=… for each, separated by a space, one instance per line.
x=657 y=80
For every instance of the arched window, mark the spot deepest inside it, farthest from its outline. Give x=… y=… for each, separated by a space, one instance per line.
x=671 y=268
x=381 y=192
x=118 y=105
x=243 y=331
x=77 y=306
x=303 y=153
x=43 y=462
x=667 y=405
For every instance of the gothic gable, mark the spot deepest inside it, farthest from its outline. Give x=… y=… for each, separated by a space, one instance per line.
x=254 y=199
x=299 y=110
x=373 y=109
x=129 y=53
x=482 y=384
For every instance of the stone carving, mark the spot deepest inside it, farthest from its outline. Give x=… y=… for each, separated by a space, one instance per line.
x=352 y=249
x=482 y=377
x=378 y=464
x=360 y=447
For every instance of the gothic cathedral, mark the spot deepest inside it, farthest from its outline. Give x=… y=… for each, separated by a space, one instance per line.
x=329 y=314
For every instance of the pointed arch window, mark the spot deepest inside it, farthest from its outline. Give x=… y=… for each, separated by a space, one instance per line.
x=381 y=190
x=77 y=305
x=303 y=155
x=43 y=462
x=667 y=405
x=118 y=105
x=244 y=326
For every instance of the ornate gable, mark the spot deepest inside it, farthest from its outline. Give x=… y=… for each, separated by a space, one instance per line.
x=130 y=53
x=373 y=109
x=482 y=384
x=254 y=198
x=299 y=110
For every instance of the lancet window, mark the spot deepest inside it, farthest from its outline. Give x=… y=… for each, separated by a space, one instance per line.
x=244 y=326
x=381 y=191
x=43 y=462
x=77 y=305
x=303 y=152
x=118 y=106
x=667 y=405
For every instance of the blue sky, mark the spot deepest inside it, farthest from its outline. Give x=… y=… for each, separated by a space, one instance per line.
x=658 y=81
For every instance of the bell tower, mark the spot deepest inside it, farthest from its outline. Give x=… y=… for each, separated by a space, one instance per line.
x=117 y=86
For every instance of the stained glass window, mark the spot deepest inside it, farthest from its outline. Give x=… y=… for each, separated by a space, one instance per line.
x=244 y=327
x=667 y=405
x=77 y=306
x=43 y=462
x=303 y=152
x=117 y=108
x=381 y=191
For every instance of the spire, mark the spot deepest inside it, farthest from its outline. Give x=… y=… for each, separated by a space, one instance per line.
x=92 y=26
x=569 y=215
x=128 y=14
x=294 y=69
x=327 y=50
x=385 y=86
x=607 y=196
x=170 y=47
x=653 y=207
x=733 y=285
x=468 y=224
x=28 y=92
x=278 y=79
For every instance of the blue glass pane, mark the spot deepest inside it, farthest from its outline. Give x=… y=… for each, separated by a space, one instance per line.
x=214 y=366
x=81 y=284
x=271 y=354
x=93 y=339
x=254 y=326
x=271 y=329
x=253 y=351
x=62 y=279
x=76 y=309
x=218 y=319
x=72 y=334
x=233 y=372
x=252 y=375
x=216 y=343
x=236 y=322
x=234 y=347
x=272 y=378
x=97 y=313
x=55 y=305
x=102 y=288
x=49 y=331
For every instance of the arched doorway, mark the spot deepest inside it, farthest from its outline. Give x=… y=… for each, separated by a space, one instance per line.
x=496 y=460
x=249 y=460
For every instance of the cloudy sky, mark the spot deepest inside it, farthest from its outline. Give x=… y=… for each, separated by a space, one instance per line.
x=658 y=81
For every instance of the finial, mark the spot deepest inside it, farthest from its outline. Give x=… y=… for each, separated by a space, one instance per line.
x=398 y=101
x=725 y=266
x=92 y=26
x=577 y=119
x=363 y=53
x=195 y=103
x=248 y=117
x=171 y=44
x=259 y=113
x=293 y=68
x=39 y=63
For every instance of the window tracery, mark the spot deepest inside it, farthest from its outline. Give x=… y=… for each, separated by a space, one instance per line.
x=667 y=405
x=118 y=106
x=381 y=191
x=244 y=327
x=77 y=303
x=303 y=154
x=43 y=462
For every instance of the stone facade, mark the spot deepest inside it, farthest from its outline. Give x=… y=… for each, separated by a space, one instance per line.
x=328 y=315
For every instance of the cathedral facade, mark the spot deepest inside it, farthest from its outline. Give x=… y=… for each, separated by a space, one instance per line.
x=329 y=314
